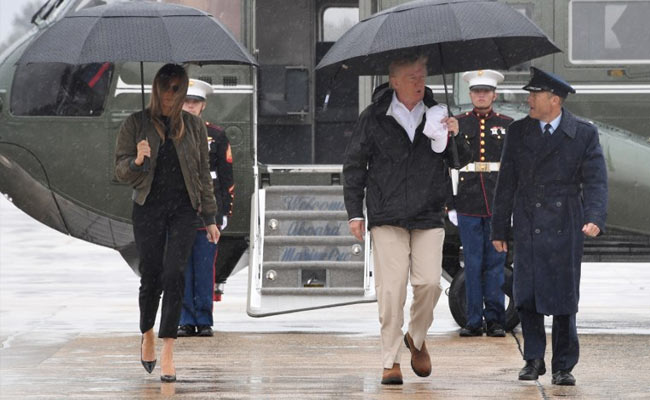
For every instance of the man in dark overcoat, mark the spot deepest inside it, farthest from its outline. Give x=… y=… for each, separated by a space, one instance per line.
x=553 y=183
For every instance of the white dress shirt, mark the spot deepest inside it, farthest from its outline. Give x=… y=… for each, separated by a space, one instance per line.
x=409 y=120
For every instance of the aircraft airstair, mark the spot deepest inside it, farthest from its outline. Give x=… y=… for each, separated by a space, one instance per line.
x=617 y=246
x=302 y=254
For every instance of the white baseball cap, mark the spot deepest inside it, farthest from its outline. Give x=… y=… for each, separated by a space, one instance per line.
x=483 y=79
x=198 y=89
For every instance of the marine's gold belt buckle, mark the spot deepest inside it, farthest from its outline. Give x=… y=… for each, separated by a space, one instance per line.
x=482 y=167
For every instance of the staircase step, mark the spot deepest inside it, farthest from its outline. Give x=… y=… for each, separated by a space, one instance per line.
x=312 y=248
x=314 y=291
x=302 y=214
x=307 y=198
x=312 y=240
x=306 y=228
x=302 y=189
x=306 y=265
x=315 y=274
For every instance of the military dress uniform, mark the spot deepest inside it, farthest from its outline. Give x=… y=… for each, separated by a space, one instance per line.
x=473 y=203
x=200 y=272
x=196 y=315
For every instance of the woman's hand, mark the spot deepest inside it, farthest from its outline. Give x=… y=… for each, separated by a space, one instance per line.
x=143 y=151
x=213 y=233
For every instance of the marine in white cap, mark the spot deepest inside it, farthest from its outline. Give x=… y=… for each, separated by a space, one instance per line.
x=485 y=131
x=196 y=97
x=196 y=315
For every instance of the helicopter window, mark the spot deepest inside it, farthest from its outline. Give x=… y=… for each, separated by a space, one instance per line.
x=61 y=89
x=609 y=32
x=337 y=20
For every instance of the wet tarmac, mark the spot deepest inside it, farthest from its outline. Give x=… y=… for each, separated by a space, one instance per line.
x=68 y=328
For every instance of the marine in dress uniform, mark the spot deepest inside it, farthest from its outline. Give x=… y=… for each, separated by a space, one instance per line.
x=485 y=130
x=196 y=315
x=553 y=183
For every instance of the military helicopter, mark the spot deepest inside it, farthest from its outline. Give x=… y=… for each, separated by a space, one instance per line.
x=58 y=125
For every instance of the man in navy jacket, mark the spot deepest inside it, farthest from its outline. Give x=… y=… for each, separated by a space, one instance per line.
x=402 y=172
x=553 y=183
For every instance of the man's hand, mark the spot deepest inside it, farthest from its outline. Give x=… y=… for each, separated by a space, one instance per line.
x=500 y=245
x=143 y=151
x=590 y=229
x=357 y=228
x=452 y=124
x=213 y=233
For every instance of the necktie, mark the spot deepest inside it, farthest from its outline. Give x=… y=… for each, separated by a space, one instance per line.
x=547 y=130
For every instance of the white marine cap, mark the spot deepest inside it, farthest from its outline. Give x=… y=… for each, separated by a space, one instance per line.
x=483 y=79
x=198 y=89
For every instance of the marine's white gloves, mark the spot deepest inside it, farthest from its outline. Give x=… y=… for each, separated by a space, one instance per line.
x=224 y=223
x=453 y=217
x=436 y=130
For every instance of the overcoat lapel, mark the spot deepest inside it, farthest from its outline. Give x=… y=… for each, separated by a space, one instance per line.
x=533 y=139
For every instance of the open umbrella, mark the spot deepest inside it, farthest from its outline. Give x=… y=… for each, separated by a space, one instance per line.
x=140 y=31
x=456 y=35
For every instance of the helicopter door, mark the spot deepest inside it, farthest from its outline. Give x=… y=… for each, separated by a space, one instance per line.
x=301 y=254
x=337 y=94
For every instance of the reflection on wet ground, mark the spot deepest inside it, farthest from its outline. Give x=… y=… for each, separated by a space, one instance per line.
x=321 y=366
x=68 y=328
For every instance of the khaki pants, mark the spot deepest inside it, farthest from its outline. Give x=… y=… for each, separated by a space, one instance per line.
x=398 y=252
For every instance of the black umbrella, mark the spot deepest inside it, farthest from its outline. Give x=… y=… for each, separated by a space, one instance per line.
x=455 y=35
x=137 y=31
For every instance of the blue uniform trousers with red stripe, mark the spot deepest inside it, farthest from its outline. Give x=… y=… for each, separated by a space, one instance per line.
x=483 y=272
x=199 y=283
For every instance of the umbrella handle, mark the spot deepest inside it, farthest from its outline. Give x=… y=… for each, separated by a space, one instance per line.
x=455 y=161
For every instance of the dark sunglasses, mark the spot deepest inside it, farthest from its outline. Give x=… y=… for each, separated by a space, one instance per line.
x=166 y=87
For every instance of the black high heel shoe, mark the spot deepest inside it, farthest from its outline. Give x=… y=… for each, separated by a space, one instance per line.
x=166 y=378
x=148 y=365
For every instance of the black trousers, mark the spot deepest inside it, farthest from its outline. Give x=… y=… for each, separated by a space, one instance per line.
x=566 y=348
x=164 y=233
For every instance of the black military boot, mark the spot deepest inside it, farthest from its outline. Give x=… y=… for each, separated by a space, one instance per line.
x=495 y=329
x=563 y=378
x=532 y=370
x=186 y=331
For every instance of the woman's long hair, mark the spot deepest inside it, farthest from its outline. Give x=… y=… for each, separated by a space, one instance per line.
x=160 y=84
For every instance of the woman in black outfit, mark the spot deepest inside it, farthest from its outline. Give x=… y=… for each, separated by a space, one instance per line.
x=171 y=198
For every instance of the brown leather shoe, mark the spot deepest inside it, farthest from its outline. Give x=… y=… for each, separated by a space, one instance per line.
x=392 y=376
x=420 y=360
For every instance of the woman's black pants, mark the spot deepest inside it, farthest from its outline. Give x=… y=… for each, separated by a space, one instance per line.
x=164 y=233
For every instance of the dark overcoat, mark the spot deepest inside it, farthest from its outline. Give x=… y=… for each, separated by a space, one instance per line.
x=551 y=187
